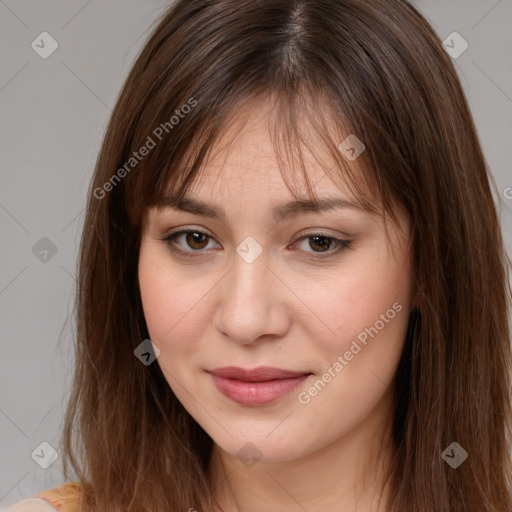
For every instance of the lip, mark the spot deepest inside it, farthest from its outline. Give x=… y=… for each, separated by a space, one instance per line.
x=258 y=386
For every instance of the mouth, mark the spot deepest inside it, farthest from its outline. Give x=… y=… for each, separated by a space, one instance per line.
x=258 y=386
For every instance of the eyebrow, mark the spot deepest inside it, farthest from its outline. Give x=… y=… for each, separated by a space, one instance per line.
x=290 y=209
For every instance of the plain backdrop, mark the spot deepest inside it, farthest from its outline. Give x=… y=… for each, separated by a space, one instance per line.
x=53 y=114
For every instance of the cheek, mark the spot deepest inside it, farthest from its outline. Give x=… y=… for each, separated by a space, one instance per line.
x=173 y=307
x=368 y=312
x=371 y=302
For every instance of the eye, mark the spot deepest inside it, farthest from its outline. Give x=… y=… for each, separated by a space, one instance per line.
x=197 y=240
x=322 y=243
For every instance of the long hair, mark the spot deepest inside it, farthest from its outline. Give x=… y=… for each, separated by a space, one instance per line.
x=373 y=69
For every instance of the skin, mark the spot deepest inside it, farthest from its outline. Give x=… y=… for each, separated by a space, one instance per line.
x=290 y=309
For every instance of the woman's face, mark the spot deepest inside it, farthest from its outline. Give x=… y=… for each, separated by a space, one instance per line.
x=248 y=288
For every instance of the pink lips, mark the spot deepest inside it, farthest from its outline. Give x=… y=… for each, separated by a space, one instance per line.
x=258 y=386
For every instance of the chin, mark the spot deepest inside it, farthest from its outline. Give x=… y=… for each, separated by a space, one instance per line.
x=251 y=449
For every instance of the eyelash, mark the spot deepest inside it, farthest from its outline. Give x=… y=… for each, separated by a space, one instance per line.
x=169 y=239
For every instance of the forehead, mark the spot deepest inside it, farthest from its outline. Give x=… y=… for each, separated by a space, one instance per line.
x=243 y=174
x=253 y=152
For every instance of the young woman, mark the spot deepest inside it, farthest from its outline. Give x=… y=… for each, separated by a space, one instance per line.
x=293 y=293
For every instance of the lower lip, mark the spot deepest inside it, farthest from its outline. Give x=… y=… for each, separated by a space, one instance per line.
x=256 y=393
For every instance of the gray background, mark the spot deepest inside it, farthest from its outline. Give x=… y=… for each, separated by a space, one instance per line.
x=54 y=112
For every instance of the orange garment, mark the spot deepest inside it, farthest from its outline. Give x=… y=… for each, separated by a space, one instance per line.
x=64 y=498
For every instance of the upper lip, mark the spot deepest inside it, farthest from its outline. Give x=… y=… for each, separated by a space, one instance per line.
x=261 y=373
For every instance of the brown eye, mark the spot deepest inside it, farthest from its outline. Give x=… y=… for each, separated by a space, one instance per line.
x=196 y=239
x=320 y=243
x=188 y=242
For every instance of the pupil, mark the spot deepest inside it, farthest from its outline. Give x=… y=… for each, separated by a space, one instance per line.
x=316 y=238
x=193 y=238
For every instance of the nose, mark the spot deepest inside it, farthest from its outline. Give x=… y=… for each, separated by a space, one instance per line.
x=253 y=304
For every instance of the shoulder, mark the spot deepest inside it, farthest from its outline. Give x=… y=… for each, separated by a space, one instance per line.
x=30 y=505
x=65 y=498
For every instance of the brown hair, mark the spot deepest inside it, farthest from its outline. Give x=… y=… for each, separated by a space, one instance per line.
x=375 y=69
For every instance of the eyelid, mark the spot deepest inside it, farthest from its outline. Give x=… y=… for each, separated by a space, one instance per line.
x=322 y=232
x=191 y=227
x=168 y=238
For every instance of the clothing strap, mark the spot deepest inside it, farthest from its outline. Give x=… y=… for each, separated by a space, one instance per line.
x=64 y=498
